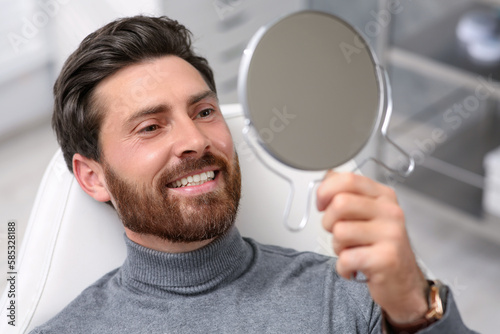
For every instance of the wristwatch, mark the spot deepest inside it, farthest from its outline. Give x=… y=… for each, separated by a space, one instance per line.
x=436 y=295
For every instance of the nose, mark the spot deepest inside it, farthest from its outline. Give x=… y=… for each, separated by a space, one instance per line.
x=190 y=139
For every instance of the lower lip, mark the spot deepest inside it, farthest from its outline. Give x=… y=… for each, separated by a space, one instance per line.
x=199 y=189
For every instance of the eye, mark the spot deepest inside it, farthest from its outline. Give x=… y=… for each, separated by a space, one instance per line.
x=205 y=113
x=149 y=128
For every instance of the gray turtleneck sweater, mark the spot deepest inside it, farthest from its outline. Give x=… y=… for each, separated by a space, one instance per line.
x=233 y=285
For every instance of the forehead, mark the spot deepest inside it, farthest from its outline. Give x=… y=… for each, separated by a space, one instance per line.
x=160 y=80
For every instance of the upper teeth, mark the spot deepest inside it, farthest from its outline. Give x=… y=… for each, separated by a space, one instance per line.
x=193 y=180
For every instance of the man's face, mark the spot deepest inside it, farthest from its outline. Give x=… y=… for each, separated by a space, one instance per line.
x=168 y=156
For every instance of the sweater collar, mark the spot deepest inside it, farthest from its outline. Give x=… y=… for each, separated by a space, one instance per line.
x=222 y=260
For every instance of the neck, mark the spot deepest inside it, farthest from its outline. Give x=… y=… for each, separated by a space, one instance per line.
x=155 y=272
x=162 y=245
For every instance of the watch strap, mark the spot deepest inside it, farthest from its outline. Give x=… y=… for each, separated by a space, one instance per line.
x=436 y=294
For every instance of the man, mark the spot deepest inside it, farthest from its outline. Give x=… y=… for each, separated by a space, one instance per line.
x=137 y=117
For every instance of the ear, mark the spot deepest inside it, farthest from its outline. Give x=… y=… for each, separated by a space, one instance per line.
x=90 y=176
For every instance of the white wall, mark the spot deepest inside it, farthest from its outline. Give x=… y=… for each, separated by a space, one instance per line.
x=24 y=61
x=78 y=18
x=39 y=36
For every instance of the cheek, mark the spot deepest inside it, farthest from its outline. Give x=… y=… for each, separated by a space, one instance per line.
x=136 y=162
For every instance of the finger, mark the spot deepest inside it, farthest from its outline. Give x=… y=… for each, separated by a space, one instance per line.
x=372 y=261
x=353 y=207
x=335 y=183
x=346 y=206
x=352 y=260
x=348 y=234
x=379 y=262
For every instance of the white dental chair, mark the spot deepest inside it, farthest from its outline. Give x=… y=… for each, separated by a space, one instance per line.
x=72 y=240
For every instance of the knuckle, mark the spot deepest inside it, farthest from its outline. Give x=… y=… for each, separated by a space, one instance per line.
x=336 y=246
x=340 y=202
x=392 y=257
x=392 y=210
x=390 y=193
x=326 y=223
x=323 y=193
x=340 y=232
x=395 y=232
x=397 y=213
x=348 y=179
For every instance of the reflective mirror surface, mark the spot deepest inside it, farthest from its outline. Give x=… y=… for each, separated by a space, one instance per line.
x=309 y=86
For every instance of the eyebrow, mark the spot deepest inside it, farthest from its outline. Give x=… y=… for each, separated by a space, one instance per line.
x=161 y=108
x=203 y=95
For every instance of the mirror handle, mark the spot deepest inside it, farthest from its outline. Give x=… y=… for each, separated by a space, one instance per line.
x=293 y=201
x=387 y=108
x=298 y=201
x=385 y=126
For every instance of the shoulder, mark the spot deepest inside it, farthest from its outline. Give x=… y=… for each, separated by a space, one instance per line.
x=285 y=253
x=281 y=258
x=89 y=304
x=314 y=263
x=312 y=277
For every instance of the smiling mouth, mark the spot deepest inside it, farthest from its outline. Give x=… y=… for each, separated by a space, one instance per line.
x=193 y=180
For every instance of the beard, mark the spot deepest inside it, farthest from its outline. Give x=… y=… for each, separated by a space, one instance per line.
x=157 y=211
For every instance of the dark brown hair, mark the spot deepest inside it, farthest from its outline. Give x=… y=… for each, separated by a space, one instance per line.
x=77 y=118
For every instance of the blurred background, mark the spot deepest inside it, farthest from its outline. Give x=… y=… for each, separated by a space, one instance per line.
x=443 y=58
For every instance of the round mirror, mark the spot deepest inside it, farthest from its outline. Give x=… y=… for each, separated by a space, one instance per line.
x=313 y=96
x=311 y=89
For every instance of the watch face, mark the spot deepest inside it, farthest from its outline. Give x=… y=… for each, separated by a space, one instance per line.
x=437 y=294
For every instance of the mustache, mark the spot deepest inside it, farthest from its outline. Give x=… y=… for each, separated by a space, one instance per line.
x=191 y=164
